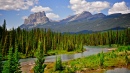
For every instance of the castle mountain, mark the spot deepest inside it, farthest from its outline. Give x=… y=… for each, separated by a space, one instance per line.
x=84 y=22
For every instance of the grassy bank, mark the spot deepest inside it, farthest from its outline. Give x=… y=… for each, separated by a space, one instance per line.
x=112 y=46
x=101 y=61
x=53 y=52
x=56 y=52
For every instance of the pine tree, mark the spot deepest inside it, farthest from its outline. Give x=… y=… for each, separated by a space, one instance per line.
x=1 y=60
x=8 y=64
x=39 y=66
x=58 y=64
x=4 y=25
x=12 y=65
x=16 y=61
x=1 y=63
x=109 y=39
x=45 y=49
x=81 y=47
x=1 y=30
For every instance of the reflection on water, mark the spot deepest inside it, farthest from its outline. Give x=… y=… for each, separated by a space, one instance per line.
x=118 y=70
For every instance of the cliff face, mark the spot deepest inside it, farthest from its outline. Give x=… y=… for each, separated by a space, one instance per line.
x=36 y=18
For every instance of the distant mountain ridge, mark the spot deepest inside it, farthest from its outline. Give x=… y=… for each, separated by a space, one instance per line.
x=82 y=16
x=79 y=22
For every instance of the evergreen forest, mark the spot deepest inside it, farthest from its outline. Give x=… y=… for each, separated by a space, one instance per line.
x=25 y=42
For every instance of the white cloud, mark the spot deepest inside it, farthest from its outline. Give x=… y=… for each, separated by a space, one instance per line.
x=24 y=17
x=0 y=14
x=40 y=9
x=119 y=7
x=52 y=15
x=78 y=6
x=16 y=4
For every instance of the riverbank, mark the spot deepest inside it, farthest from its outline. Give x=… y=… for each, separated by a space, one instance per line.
x=58 y=52
x=27 y=63
x=53 y=52
x=113 y=59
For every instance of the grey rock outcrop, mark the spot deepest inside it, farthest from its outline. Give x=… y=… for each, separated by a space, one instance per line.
x=36 y=18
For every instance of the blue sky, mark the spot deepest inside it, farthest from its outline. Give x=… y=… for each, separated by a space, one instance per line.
x=15 y=11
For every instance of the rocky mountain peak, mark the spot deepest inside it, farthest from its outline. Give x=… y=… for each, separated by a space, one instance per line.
x=100 y=14
x=68 y=18
x=97 y=16
x=36 y=18
x=84 y=14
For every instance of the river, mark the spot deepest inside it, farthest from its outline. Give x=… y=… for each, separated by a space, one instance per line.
x=27 y=64
x=65 y=57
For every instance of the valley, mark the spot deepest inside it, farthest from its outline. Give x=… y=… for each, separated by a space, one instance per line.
x=64 y=36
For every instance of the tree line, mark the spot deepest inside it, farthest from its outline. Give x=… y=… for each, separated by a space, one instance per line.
x=17 y=42
x=27 y=40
